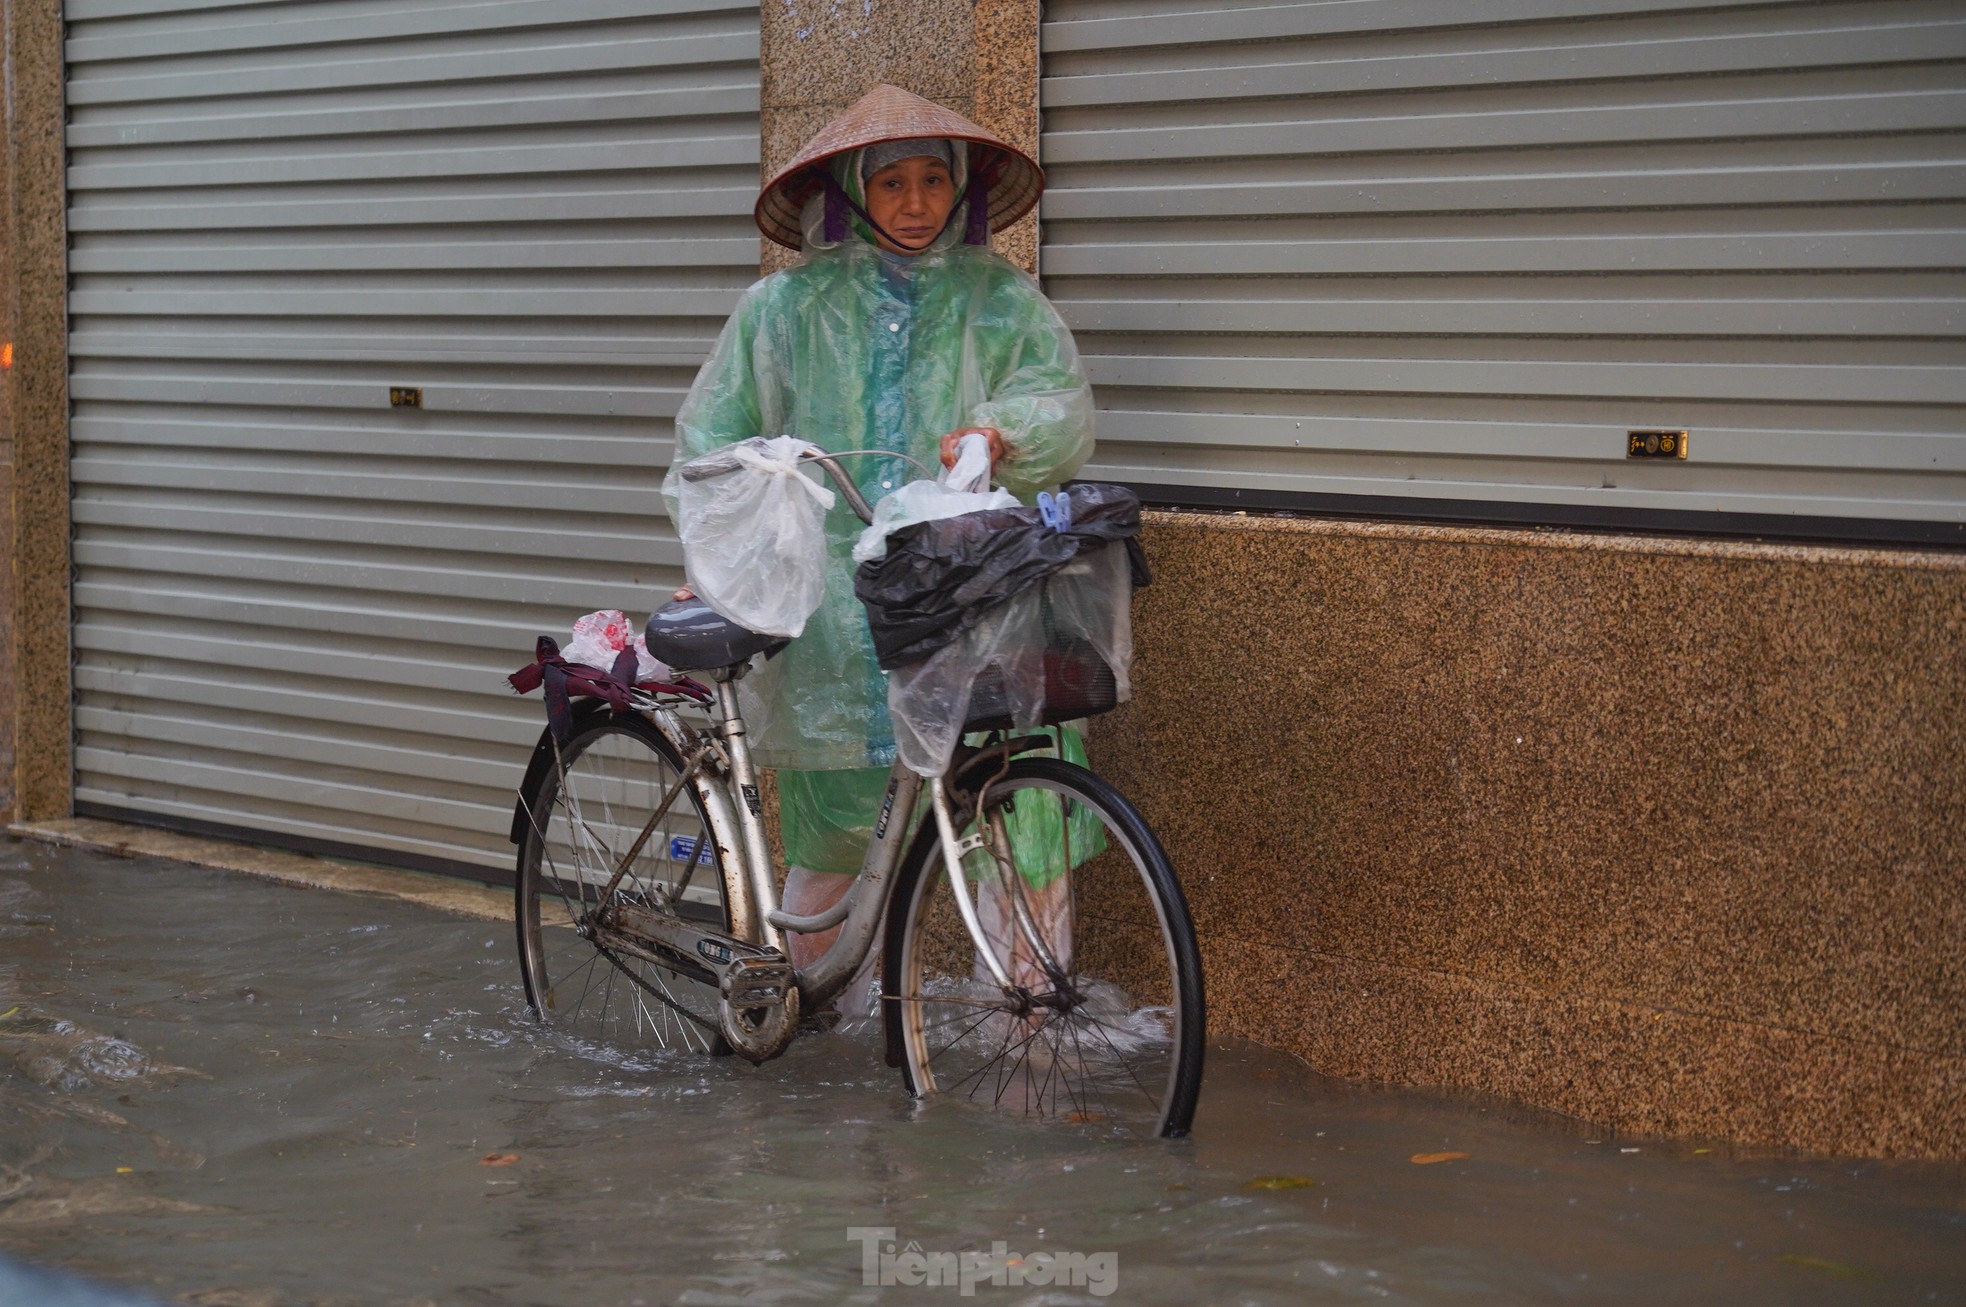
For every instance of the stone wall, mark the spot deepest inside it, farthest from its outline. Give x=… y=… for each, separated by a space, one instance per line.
x=36 y=753
x=1667 y=834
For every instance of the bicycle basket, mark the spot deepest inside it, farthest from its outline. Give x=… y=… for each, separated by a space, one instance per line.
x=1078 y=683
x=1057 y=651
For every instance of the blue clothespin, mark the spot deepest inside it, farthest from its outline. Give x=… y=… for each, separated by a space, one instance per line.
x=1055 y=511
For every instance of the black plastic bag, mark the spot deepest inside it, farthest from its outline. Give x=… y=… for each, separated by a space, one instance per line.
x=939 y=577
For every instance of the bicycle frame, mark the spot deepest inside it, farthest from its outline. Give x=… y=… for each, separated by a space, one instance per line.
x=1054 y=1039
x=738 y=832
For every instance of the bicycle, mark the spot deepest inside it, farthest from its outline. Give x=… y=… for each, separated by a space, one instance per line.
x=646 y=903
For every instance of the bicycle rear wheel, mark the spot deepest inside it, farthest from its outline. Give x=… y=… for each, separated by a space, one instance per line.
x=1104 y=1023
x=581 y=815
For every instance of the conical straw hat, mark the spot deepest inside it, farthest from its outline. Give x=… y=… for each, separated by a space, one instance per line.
x=888 y=113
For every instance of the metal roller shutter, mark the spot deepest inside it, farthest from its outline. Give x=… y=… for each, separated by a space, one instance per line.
x=295 y=603
x=1430 y=252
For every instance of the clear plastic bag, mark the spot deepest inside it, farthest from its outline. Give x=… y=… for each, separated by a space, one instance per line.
x=754 y=536
x=599 y=638
x=1058 y=650
x=964 y=488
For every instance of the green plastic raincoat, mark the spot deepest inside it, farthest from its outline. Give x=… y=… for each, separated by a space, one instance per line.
x=855 y=348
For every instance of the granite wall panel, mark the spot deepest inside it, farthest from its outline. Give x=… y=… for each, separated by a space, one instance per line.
x=8 y=588
x=35 y=284
x=9 y=318
x=1580 y=784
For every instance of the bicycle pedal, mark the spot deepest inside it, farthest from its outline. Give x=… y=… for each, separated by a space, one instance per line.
x=752 y=982
x=759 y=1013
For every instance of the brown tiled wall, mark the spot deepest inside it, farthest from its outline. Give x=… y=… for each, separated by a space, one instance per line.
x=34 y=618
x=1668 y=835
x=9 y=316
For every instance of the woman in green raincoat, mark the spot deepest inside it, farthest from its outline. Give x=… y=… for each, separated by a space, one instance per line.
x=900 y=330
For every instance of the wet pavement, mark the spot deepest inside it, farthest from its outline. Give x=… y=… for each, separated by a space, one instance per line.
x=219 y=1091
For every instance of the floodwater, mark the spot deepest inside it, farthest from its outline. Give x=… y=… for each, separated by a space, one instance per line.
x=219 y=1091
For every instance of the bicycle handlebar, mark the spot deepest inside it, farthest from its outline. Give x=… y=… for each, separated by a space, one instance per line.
x=724 y=462
x=854 y=499
x=710 y=465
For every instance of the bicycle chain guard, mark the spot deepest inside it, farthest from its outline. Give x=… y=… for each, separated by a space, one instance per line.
x=757 y=994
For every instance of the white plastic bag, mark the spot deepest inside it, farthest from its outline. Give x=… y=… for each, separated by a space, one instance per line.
x=599 y=638
x=754 y=538
x=963 y=488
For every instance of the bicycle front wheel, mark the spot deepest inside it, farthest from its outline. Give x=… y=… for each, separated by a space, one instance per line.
x=582 y=816
x=1102 y=1024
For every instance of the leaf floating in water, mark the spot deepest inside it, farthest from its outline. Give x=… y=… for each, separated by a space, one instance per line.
x=1281 y=1182
x=498 y=1159
x=1085 y=1118
x=1428 y=1159
x=1824 y=1265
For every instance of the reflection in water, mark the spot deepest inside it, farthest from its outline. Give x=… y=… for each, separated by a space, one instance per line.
x=216 y=1090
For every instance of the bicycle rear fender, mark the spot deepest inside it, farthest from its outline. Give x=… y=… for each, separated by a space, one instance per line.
x=542 y=758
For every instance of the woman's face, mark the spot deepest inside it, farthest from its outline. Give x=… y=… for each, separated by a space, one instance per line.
x=911 y=199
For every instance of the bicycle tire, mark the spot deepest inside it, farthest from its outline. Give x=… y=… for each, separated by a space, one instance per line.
x=578 y=815
x=1113 y=1034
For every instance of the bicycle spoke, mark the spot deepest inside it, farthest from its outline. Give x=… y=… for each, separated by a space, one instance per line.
x=1083 y=1105
x=609 y=783
x=966 y=1033
x=1051 y=1073
x=978 y=1074
x=1003 y=1051
x=1091 y=1083
x=677 y=1008
x=1099 y=1028
x=1076 y=1044
x=1007 y=1073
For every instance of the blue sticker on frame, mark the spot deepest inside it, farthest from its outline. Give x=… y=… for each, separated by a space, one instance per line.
x=684 y=847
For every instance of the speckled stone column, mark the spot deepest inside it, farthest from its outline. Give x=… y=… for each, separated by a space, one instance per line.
x=1670 y=835
x=978 y=57
x=34 y=286
x=9 y=319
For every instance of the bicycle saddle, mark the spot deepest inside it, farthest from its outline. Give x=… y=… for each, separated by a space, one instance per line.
x=688 y=635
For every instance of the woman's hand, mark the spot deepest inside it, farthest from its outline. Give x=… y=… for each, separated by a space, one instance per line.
x=685 y=593
x=954 y=438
